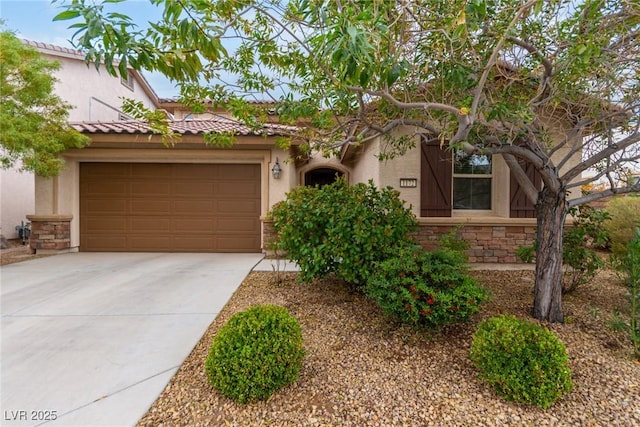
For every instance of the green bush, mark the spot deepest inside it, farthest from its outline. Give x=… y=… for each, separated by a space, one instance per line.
x=629 y=266
x=255 y=353
x=341 y=229
x=453 y=241
x=625 y=218
x=579 y=241
x=425 y=288
x=522 y=360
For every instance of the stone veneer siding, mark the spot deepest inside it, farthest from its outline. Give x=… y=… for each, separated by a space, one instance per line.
x=268 y=234
x=489 y=243
x=50 y=233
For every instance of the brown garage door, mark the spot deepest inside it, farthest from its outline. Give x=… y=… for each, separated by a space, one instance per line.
x=165 y=207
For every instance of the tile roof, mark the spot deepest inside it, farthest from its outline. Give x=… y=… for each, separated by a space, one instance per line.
x=65 y=51
x=184 y=127
x=175 y=100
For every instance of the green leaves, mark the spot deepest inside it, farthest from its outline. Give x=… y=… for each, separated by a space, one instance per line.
x=341 y=229
x=258 y=351
x=66 y=15
x=579 y=257
x=425 y=289
x=522 y=360
x=34 y=121
x=156 y=119
x=377 y=65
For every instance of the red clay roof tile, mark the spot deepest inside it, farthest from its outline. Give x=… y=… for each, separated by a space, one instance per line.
x=184 y=127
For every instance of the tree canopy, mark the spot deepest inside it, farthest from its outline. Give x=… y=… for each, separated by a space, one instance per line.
x=486 y=76
x=34 y=120
x=464 y=71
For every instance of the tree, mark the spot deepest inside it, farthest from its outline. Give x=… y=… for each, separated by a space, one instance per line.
x=34 y=120
x=485 y=76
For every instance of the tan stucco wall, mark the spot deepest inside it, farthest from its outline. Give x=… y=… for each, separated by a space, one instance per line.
x=366 y=165
x=89 y=90
x=278 y=188
x=16 y=200
x=389 y=172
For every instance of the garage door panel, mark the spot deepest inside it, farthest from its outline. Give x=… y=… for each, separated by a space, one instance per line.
x=170 y=207
x=237 y=226
x=149 y=225
x=197 y=189
x=193 y=225
x=106 y=224
x=107 y=243
x=237 y=207
x=102 y=207
x=156 y=171
x=239 y=172
x=190 y=206
x=146 y=243
x=236 y=189
x=194 y=172
x=150 y=207
x=194 y=243
x=236 y=244
x=150 y=188
x=106 y=188
x=111 y=170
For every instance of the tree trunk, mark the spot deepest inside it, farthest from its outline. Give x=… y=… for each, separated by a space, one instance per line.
x=551 y=212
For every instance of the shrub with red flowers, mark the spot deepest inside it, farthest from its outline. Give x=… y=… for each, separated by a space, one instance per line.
x=430 y=289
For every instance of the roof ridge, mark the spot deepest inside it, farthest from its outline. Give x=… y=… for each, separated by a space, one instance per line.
x=54 y=47
x=194 y=127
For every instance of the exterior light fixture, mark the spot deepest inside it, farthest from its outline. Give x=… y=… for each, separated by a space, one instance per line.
x=276 y=170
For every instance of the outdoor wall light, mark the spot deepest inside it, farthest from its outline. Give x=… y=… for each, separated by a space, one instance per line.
x=276 y=170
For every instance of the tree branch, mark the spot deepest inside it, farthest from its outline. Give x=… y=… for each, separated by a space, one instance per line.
x=574 y=172
x=494 y=58
x=601 y=194
x=519 y=174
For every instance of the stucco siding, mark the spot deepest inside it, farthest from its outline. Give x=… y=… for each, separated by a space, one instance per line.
x=17 y=195
x=367 y=166
x=406 y=166
x=95 y=95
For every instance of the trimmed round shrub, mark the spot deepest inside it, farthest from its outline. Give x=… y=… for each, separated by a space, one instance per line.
x=426 y=288
x=257 y=352
x=341 y=229
x=524 y=361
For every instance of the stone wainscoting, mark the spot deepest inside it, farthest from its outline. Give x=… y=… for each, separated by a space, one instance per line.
x=491 y=241
x=50 y=233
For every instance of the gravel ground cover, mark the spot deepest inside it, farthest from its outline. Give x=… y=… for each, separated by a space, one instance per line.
x=361 y=369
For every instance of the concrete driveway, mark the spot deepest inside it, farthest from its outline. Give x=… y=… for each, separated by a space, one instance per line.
x=91 y=339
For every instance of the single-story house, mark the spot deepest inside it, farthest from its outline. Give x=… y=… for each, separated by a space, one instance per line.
x=128 y=191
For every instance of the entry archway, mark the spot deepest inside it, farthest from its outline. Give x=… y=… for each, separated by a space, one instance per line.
x=321 y=176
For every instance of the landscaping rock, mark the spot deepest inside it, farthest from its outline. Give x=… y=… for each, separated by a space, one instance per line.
x=361 y=369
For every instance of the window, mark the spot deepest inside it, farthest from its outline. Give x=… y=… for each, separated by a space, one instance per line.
x=471 y=185
x=127 y=81
x=472 y=181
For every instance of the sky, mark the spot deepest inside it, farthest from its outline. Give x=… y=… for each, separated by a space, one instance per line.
x=33 y=20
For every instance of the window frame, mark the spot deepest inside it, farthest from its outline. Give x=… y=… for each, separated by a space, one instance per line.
x=490 y=176
x=128 y=82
